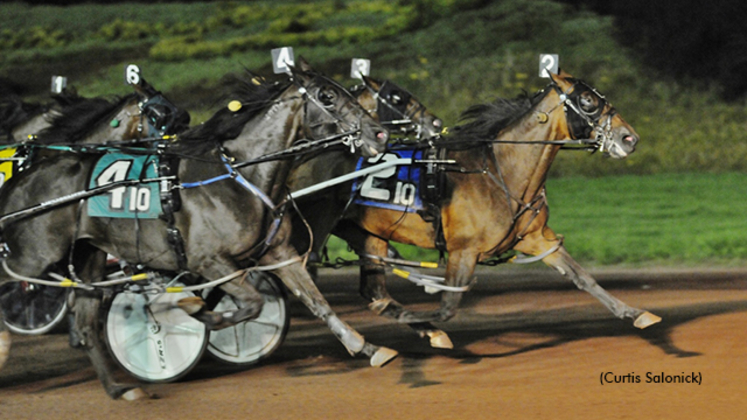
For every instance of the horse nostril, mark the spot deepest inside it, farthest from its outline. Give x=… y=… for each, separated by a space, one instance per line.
x=382 y=136
x=630 y=139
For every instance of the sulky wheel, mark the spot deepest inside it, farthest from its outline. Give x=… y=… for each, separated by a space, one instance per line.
x=251 y=341
x=32 y=309
x=151 y=338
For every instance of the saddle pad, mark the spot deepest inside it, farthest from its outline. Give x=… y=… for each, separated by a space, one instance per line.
x=141 y=201
x=6 y=166
x=393 y=188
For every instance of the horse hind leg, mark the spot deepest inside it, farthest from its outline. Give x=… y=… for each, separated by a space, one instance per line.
x=5 y=341
x=87 y=324
x=459 y=272
x=373 y=285
x=250 y=307
x=373 y=289
x=5 y=338
x=561 y=261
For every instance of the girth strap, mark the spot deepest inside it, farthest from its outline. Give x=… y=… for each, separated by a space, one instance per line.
x=171 y=203
x=432 y=183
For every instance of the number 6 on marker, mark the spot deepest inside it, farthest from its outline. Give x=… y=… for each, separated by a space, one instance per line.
x=132 y=74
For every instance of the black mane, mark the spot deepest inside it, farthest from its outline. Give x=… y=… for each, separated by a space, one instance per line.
x=252 y=92
x=13 y=111
x=485 y=121
x=80 y=117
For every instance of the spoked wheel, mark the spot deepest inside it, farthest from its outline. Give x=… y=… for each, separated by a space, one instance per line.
x=32 y=309
x=151 y=338
x=249 y=342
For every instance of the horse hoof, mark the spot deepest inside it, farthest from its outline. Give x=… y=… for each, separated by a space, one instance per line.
x=191 y=305
x=383 y=356
x=440 y=340
x=135 y=394
x=380 y=305
x=646 y=319
x=4 y=347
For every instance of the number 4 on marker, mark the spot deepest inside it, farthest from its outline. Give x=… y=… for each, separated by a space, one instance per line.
x=282 y=58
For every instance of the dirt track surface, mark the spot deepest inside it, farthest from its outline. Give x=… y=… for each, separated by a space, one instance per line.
x=528 y=345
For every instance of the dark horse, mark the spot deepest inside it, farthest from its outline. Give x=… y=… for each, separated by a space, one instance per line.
x=69 y=121
x=227 y=222
x=493 y=199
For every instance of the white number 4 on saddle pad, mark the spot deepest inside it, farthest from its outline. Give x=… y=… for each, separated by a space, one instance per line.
x=141 y=201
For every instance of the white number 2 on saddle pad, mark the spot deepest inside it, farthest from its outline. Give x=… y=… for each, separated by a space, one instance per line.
x=141 y=201
x=393 y=188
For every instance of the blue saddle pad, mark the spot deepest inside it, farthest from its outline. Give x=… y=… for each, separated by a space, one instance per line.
x=141 y=201
x=393 y=188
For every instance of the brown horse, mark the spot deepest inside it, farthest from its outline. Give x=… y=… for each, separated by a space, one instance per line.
x=407 y=120
x=493 y=200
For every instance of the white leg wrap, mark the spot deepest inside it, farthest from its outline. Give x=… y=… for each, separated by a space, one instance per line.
x=349 y=337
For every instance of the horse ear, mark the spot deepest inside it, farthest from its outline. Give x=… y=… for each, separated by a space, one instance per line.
x=144 y=89
x=373 y=84
x=303 y=64
x=559 y=78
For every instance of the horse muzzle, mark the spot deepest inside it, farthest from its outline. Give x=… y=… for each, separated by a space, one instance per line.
x=621 y=147
x=378 y=141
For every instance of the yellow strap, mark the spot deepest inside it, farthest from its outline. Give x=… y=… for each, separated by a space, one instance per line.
x=141 y=276
x=174 y=289
x=402 y=273
x=68 y=283
x=426 y=264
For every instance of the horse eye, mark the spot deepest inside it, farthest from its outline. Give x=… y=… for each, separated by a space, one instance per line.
x=588 y=103
x=327 y=98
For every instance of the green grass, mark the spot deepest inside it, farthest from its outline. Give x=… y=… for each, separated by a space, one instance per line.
x=678 y=219
x=690 y=219
x=454 y=54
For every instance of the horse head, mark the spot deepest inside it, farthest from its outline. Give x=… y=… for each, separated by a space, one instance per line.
x=332 y=111
x=146 y=113
x=397 y=109
x=589 y=113
x=160 y=115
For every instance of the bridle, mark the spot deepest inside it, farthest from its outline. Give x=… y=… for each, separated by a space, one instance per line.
x=349 y=131
x=158 y=114
x=581 y=122
x=392 y=103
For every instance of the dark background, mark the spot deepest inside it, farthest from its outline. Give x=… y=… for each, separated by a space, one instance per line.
x=704 y=40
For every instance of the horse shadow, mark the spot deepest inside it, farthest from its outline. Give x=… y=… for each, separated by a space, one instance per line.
x=554 y=328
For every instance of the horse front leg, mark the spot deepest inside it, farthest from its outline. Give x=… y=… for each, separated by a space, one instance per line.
x=373 y=289
x=537 y=244
x=88 y=327
x=297 y=280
